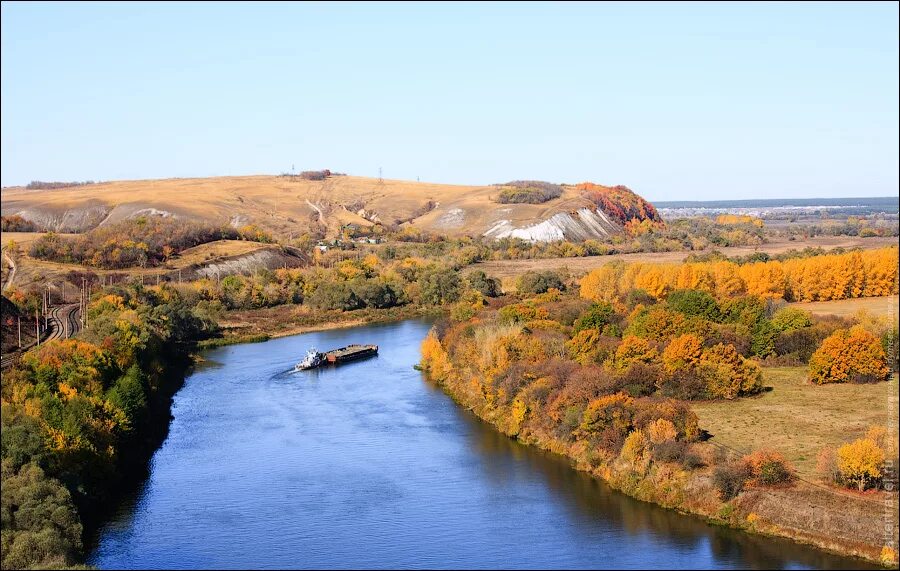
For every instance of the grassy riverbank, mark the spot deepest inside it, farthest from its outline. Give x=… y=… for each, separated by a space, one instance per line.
x=674 y=399
x=837 y=521
x=248 y=326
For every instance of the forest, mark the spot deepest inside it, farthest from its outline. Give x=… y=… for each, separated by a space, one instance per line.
x=606 y=372
x=140 y=242
x=77 y=412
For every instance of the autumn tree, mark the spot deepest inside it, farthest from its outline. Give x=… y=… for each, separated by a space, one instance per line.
x=683 y=351
x=853 y=355
x=860 y=463
x=634 y=349
x=727 y=374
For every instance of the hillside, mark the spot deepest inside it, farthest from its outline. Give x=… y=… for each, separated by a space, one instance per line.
x=290 y=205
x=9 y=331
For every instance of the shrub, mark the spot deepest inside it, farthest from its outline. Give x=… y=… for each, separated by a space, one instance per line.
x=334 y=295
x=729 y=479
x=16 y=223
x=315 y=175
x=826 y=465
x=479 y=281
x=375 y=293
x=768 y=467
x=619 y=202
x=141 y=241
x=859 y=463
x=678 y=452
x=689 y=383
x=801 y=343
x=590 y=346
x=528 y=192
x=661 y=430
x=539 y=282
x=635 y=450
x=854 y=356
x=462 y=311
x=614 y=412
x=638 y=379
x=791 y=319
x=728 y=374
x=596 y=317
x=41 y=185
x=669 y=451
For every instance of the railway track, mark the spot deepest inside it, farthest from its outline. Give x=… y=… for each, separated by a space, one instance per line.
x=63 y=322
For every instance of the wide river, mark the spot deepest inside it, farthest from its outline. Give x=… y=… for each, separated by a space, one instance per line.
x=371 y=465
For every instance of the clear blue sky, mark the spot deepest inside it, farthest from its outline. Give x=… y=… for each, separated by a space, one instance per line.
x=689 y=101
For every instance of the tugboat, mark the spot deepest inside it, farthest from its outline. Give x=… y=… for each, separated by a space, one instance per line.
x=315 y=359
x=312 y=360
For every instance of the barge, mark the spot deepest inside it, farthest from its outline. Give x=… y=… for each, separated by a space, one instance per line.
x=315 y=358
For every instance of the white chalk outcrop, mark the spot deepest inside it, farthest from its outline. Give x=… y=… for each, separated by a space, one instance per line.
x=583 y=224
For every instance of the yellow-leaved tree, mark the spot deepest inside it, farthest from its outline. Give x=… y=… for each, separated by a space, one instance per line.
x=854 y=356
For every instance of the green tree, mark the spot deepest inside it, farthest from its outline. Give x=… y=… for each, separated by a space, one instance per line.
x=487 y=286
x=692 y=302
x=440 y=286
x=597 y=316
x=539 y=282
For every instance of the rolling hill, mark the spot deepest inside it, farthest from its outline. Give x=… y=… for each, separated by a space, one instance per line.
x=291 y=205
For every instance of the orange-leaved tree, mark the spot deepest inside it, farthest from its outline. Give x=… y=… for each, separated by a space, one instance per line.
x=682 y=351
x=853 y=355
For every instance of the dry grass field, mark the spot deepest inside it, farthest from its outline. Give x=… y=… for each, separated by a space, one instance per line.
x=282 y=205
x=797 y=418
x=887 y=306
x=508 y=270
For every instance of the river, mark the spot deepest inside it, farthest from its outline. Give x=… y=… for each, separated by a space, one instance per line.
x=370 y=465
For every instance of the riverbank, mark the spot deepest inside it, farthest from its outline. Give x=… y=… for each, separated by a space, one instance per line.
x=836 y=521
x=255 y=325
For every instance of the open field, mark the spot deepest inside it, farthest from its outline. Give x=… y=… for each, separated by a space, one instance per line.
x=848 y=307
x=797 y=418
x=507 y=270
x=283 y=205
x=24 y=239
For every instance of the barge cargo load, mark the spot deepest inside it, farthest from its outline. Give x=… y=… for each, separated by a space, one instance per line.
x=315 y=359
x=350 y=353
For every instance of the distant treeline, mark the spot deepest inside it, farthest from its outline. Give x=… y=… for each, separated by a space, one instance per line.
x=315 y=175
x=41 y=185
x=143 y=241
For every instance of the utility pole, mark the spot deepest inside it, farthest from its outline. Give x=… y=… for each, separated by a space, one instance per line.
x=37 y=328
x=19 y=324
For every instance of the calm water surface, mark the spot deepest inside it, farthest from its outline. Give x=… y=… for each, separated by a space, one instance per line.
x=370 y=465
